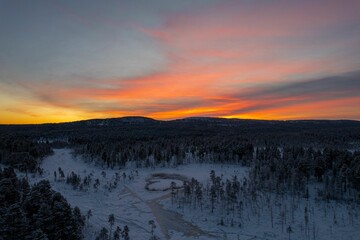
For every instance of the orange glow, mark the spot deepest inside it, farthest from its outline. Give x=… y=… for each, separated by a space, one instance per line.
x=222 y=61
x=317 y=110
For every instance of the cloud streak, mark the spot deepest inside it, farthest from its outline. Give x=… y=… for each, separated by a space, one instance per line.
x=247 y=101
x=323 y=88
x=248 y=59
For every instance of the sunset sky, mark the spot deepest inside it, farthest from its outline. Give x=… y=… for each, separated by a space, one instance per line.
x=267 y=59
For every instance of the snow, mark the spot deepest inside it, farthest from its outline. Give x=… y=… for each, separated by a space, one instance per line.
x=164 y=184
x=135 y=206
x=128 y=209
x=321 y=224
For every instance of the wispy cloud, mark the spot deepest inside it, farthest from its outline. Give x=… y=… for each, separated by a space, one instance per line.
x=255 y=59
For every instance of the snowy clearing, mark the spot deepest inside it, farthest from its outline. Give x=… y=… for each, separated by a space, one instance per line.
x=130 y=202
x=123 y=193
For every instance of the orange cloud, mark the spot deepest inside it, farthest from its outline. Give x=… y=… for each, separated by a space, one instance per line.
x=267 y=61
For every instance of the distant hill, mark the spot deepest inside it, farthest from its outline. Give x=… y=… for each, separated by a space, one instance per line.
x=143 y=127
x=192 y=120
x=115 y=121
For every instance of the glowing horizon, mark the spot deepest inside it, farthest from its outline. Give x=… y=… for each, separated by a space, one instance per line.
x=68 y=61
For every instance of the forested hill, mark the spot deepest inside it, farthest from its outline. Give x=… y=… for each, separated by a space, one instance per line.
x=313 y=147
x=313 y=131
x=205 y=125
x=322 y=133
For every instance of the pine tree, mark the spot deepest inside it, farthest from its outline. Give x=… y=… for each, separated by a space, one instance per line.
x=79 y=221
x=125 y=233
x=289 y=230
x=117 y=233
x=111 y=221
x=13 y=222
x=172 y=187
x=213 y=197
x=153 y=226
x=103 y=235
x=88 y=216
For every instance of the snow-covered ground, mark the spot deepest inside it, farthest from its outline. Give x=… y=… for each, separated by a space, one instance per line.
x=327 y=220
x=135 y=206
x=163 y=184
x=130 y=202
x=127 y=208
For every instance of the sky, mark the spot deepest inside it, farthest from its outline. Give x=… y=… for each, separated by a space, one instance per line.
x=168 y=59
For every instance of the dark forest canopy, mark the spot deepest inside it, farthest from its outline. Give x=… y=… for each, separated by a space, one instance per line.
x=147 y=142
x=315 y=131
x=119 y=140
x=282 y=156
x=35 y=212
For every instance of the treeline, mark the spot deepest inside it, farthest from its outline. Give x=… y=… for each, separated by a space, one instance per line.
x=35 y=212
x=166 y=151
x=238 y=203
x=23 y=153
x=272 y=168
x=290 y=170
x=315 y=133
x=147 y=142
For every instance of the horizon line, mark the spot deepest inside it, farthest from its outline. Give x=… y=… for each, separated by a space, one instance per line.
x=175 y=119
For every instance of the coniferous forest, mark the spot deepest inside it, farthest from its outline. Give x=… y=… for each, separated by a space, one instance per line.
x=291 y=160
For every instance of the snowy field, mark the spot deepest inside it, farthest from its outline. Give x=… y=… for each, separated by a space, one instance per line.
x=122 y=193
